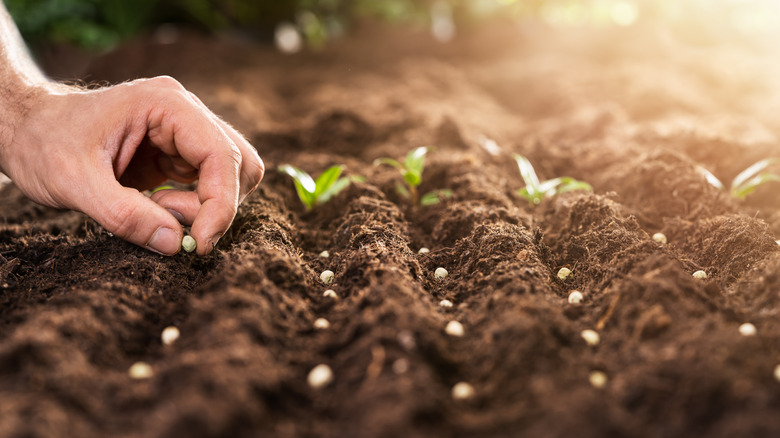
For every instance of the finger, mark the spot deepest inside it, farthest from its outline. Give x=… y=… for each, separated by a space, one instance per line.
x=129 y=214
x=252 y=166
x=182 y=204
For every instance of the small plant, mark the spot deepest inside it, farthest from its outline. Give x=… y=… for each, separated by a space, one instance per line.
x=535 y=191
x=747 y=181
x=327 y=185
x=411 y=171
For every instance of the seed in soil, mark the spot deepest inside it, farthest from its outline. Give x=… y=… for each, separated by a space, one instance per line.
x=188 y=244
x=598 y=379
x=575 y=297
x=401 y=365
x=591 y=337
x=140 y=370
x=330 y=293
x=324 y=254
x=440 y=273
x=445 y=303
x=321 y=324
x=462 y=391
x=320 y=376
x=454 y=328
x=327 y=276
x=701 y=275
x=169 y=335
x=777 y=372
x=426 y=250
x=660 y=238
x=747 y=329
x=564 y=273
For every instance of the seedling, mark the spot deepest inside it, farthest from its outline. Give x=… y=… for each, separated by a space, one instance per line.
x=747 y=181
x=411 y=171
x=313 y=193
x=535 y=191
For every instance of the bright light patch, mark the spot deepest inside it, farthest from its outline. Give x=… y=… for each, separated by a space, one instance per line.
x=624 y=13
x=287 y=38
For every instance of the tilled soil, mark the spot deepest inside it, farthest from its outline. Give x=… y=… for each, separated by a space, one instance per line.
x=79 y=306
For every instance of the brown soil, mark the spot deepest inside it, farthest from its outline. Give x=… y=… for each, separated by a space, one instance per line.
x=79 y=306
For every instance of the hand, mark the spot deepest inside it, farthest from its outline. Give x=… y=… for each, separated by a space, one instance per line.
x=94 y=151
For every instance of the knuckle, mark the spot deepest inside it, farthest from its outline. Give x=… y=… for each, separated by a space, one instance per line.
x=168 y=82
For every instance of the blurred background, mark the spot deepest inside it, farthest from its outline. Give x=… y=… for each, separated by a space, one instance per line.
x=99 y=25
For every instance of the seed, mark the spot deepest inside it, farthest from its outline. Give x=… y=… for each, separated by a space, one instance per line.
x=140 y=370
x=321 y=324
x=598 y=379
x=591 y=337
x=401 y=366
x=189 y=244
x=445 y=303
x=747 y=329
x=462 y=391
x=777 y=242
x=327 y=276
x=660 y=238
x=423 y=251
x=170 y=335
x=564 y=273
x=320 y=376
x=454 y=328
x=575 y=297
x=701 y=275
x=777 y=372
x=330 y=293
x=324 y=254
x=440 y=273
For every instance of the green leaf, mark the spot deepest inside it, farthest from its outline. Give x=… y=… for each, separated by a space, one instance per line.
x=750 y=186
x=435 y=197
x=325 y=180
x=412 y=178
x=389 y=162
x=403 y=191
x=333 y=190
x=304 y=185
x=570 y=184
x=528 y=174
x=752 y=172
x=712 y=179
x=415 y=160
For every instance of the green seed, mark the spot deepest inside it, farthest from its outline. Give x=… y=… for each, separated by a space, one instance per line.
x=189 y=244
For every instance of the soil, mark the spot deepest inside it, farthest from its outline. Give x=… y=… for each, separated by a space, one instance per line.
x=79 y=306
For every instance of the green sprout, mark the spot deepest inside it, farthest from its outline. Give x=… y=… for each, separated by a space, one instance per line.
x=535 y=191
x=747 y=181
x=327 y=185
x=411 y=171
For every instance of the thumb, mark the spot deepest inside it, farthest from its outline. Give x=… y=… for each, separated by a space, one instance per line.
x=129 y=214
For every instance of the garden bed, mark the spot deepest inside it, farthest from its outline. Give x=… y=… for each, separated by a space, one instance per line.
x=78 y=306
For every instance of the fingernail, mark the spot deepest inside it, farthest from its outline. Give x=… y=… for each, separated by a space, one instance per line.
x=165 y=241
x=179 y=217
x=214 y=240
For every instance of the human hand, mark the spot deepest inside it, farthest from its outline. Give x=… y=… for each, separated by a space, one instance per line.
x=94 y=151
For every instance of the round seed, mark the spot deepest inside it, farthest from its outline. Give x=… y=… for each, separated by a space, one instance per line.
x=575 y=297
x=324 y=254
x=660 y=238
x=445 y=303
x=440 y=273
x=401 y=366
x=320 y=376
x=423 y=250
x=330 y=293
x=140 y=370
x=321 y=324
x=454 y=328
x=701 y=275
x=591 y=337
x=462 y=391
x=169 y=335
x=564 y=273
x=598 y=379
x=747 y=329
x=327 y=276
x=188 y=244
